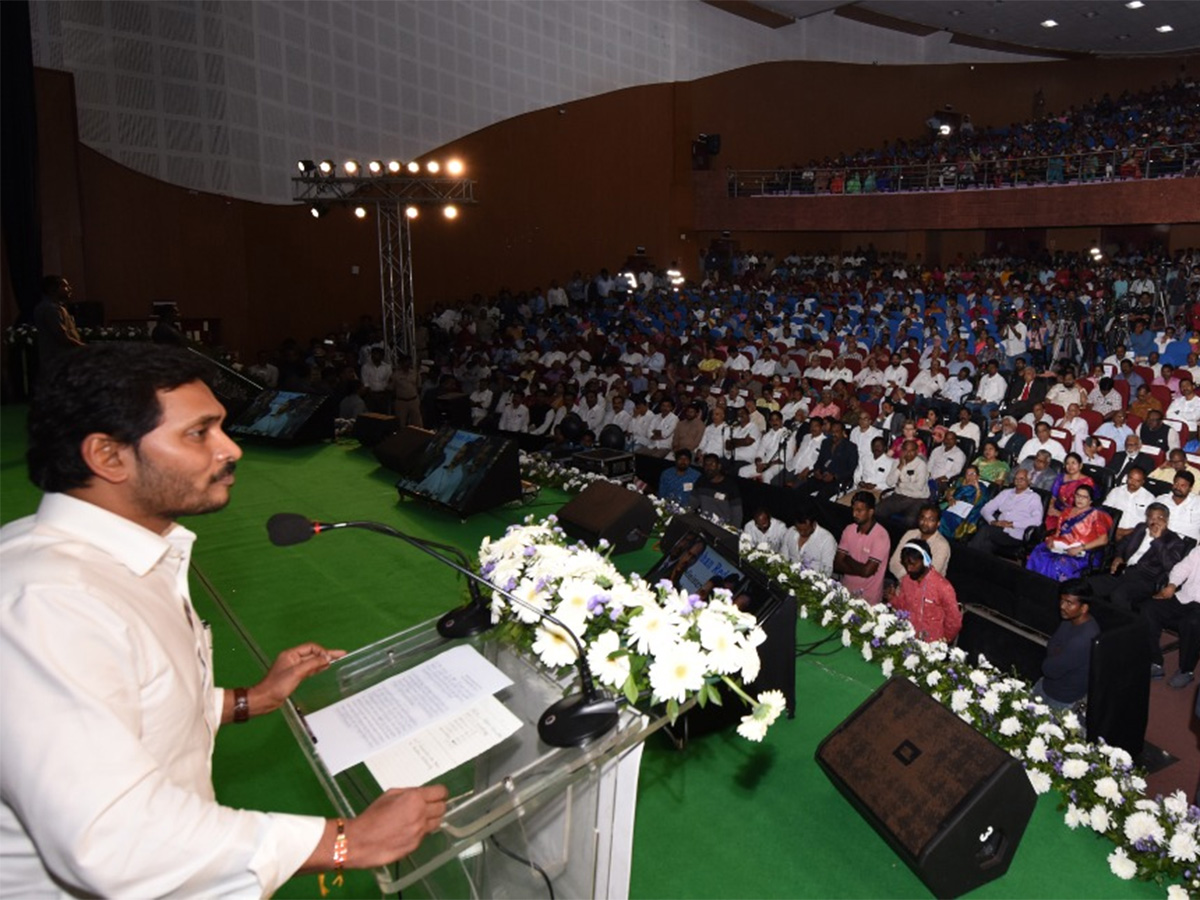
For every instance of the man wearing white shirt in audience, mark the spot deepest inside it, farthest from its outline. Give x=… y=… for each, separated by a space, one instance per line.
x=716 y=433
x=662 y=428
x=895 y=375
x=591 y=408
x=1037 y=414
x=808 y=545
x=862 y=434
x=804 y=457
x=965 y=428
x=1041 y=440
x=1066 y=391
x=743 y=438
x=870 y=378
x=957 y=389
x=769 y=457
x=928 y=382
x=1184 y=506
x=1185 y=407
x=990 y=392
x=640 y=424
x=1073 y=423
x=1130 y=500
x=763 y=528
x=514 y=415
x=873 y=471
x=945 y=463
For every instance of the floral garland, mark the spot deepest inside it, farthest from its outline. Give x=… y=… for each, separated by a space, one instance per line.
x=640 y=639
x=1156 y=839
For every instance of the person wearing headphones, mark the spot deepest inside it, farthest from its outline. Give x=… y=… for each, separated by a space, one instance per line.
x=926 y=595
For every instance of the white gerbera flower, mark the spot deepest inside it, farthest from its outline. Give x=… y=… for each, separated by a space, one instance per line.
x=678 y=671
x=554 y=647
x=754 y=726
x=654 y=630
x=534 y=600
x=608 y=669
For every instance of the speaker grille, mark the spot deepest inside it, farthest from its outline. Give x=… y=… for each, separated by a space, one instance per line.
x=910 y=761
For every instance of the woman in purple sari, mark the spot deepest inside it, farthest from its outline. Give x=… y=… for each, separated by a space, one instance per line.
x=1063 y=489
x=1077 y=544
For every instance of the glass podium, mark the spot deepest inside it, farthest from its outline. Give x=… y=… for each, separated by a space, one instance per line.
x=522 y=816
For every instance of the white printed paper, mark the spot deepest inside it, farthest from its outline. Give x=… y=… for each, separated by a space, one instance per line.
x=349 y=731
x=439 y=748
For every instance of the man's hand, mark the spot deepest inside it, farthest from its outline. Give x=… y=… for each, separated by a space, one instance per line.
x=289 y=669
x=1165 y=594
x=389 y=829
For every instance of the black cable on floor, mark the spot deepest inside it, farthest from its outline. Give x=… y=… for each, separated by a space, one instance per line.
x=526 y=862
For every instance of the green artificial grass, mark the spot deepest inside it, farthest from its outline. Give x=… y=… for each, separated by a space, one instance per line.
x=722 y=818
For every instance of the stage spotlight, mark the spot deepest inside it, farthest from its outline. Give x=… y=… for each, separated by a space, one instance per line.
x=414 y=167
x=351 y=166
x=411 y=211
x=944 y=130
x=360 y=212
x=305 y=166
x=454 y=167
x=394 y=167
x=432 y=166
x=317 y=210
x=326 y=166
x=375 y=166
x=450 y=211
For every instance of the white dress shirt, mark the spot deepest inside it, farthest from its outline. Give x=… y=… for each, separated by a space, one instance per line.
x=816 y=554
x=1185 y=517
x=945 y=463
x=874 y=471
x=1131 y=506
x=772 y=537
x=107 y=775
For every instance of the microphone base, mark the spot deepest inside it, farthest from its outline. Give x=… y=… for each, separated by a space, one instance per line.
x=466 y=621
x=574 y=720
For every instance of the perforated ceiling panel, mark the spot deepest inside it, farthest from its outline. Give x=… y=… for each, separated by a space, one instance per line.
x=225 y=95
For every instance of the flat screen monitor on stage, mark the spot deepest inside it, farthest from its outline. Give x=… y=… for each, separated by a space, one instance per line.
x=693 y=564
x=463 y=471
x=286 y=416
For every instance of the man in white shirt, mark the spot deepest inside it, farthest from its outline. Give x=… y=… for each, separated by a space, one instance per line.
x=910 y=484
x=870 y=379
x=514 y=415
x=765 y=529
x=743 y=439
x=804 y=457
x=1041 y=440
x=1185 y=407
x=1130 y=500
x=1105 y=399
x=1184 y=506
x=966 y=428
x=640 y=425
x=895 y=375
x=769 y=459
x=808 y=545
x=111 y=761
x=946 y=462
x=662 y=428
x=716 y=433
x=592 y=409
x=989 y=394
x=957 y=389
x=1066 y=391
x=1116 y=429
x=863 y=434
x=1073 y=423
x=1037 y=414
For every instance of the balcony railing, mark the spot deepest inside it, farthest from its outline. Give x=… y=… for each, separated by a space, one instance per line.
x=1165 y=161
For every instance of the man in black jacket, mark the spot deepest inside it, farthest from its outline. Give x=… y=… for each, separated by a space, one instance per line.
x=1024 y=393
x=1133 y=456
x=1144 y=560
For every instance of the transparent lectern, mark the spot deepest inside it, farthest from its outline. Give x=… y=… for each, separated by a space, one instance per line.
x=521 y=814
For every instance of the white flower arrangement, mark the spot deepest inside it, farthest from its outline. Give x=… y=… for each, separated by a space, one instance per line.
x=640 y=640
x=1156 y=839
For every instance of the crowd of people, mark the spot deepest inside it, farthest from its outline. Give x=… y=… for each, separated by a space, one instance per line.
x=1138 y=134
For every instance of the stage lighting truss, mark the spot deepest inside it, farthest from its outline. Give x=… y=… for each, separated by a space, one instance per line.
x=396 y=194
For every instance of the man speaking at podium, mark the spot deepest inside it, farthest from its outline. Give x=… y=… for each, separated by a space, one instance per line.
x=110 y=710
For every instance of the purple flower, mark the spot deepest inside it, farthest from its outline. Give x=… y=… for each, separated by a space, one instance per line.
x=529 y=551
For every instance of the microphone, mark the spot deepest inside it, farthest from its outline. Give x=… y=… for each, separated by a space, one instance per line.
x=569 y=722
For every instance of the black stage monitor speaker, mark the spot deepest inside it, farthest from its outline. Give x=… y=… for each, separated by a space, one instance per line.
x=287 y=417
x=462 y=471
x=397 y=450
x=951 y=803
x=371 y=428
x=608 y=511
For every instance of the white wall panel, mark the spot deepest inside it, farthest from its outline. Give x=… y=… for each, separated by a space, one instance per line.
x=225 y=95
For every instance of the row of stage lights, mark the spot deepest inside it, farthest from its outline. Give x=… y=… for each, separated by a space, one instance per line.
x=317 y=209
x=352 y=168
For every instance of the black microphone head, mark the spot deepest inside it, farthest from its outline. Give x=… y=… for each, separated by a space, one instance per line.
x=286 y=529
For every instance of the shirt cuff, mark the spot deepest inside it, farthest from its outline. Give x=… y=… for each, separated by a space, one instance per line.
x=287 y=843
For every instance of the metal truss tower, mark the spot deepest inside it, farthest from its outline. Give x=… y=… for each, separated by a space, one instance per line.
x=396 y=199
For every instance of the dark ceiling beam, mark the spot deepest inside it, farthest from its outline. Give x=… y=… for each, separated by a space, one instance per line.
x=752 y=12
x=978 y=43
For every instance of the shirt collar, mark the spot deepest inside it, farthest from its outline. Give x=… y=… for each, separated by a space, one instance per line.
x=135 y=547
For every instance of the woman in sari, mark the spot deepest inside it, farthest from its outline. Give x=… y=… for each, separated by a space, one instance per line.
x=908 y=433
x=992 y=468
x=962 y=504
x=1077 y=543
x=1062 y=492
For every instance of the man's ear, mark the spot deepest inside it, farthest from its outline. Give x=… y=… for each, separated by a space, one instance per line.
x=107 y=457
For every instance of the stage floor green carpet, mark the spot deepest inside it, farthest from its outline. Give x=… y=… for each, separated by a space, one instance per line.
x=723 y=818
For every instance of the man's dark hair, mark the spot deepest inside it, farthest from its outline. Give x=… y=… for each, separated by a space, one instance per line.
x=930 y=506
x=1187 y=476
x=864 y=497
x=1159 y=507
x=51 y=284
x=106 y=388
x=1077 y=587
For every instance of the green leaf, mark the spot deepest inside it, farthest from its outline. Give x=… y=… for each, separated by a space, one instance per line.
x=672 y=710
x=631 y=690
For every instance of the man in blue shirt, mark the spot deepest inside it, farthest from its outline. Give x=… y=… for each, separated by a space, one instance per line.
x=676 y=483
x=1064 y=681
